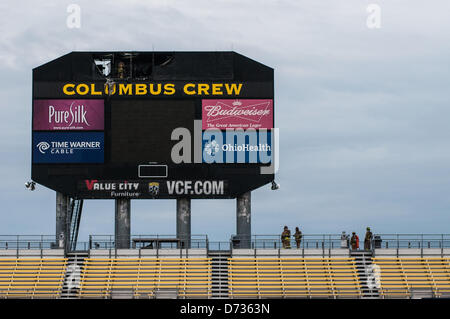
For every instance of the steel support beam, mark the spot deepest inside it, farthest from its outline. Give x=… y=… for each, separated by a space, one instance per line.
x=184 y=222
x=243 y=220
x=122 y=234
x=62 y=220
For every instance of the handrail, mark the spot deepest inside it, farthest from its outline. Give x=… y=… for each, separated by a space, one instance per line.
x=417 y=241
x=265 y=241
x=162 y=241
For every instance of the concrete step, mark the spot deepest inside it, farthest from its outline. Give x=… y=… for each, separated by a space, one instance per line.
x=72 y=276
x=219 y=273
x=363 y=260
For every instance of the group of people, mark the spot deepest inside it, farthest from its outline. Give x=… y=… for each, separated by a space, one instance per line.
x=345 y=240
x=286 y=237
x=354 y=240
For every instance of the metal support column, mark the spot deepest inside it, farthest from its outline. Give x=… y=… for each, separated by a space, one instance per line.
x=184 y=222
x=122 y=234
x=62 y=220
x=243 y=220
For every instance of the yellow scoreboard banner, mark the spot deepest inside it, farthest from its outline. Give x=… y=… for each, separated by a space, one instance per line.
x=154 y=89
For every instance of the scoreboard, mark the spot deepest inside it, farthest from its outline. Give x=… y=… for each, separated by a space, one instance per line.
x=153 y=125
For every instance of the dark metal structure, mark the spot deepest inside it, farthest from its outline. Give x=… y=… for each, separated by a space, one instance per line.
x=136 y=125
x=143 y=102
x=76 y=208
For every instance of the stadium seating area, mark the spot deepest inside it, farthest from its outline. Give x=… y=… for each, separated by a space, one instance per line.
x=31 y=277
x=400 y=277
x=146 y=277
x=293 y=277
x=269 y=276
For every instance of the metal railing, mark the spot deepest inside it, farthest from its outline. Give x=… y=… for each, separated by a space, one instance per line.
x=159 y=241
x=418 y=241
x=219 y=245
x=308 y=241
x=27 y=241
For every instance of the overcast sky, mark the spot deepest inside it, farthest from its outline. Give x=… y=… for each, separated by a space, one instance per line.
x=363 y=113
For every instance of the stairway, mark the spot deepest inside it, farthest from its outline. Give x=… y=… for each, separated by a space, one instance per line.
x=76 y=207
x=367 y=273
x=72 y=277
x=219 y=274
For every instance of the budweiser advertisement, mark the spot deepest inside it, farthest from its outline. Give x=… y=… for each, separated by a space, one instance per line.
x=68 y=115
x=223 y=114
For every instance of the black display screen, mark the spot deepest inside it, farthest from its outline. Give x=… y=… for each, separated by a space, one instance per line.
x=141 y=129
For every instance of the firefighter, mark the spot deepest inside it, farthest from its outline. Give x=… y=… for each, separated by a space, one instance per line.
x=286 y=237
x=121 y=70
x=354 y=241
x=368 y=239
x=298 y=237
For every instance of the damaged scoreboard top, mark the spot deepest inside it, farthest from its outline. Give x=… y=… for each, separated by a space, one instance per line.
x=153 y=125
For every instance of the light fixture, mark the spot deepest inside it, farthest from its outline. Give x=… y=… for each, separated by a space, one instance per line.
x=275 y=186
x=30 y=185
x=105 y=64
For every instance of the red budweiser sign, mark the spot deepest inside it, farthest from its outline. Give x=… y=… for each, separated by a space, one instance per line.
x=223 y=114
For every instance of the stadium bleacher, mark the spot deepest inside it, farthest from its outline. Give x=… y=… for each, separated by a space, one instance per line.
x=325 y=270
x=144 y=277
x=293 y=277
x=31 y=277
x=401 y=276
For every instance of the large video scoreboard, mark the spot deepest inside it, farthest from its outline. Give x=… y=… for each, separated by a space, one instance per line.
x=153 y=125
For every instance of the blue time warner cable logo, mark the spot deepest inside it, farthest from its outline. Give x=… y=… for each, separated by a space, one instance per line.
x=80 y=147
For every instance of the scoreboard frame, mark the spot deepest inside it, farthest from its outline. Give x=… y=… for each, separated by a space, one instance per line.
x=147 y=77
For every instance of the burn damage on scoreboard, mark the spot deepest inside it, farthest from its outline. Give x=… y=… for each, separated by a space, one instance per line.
x=152 y=125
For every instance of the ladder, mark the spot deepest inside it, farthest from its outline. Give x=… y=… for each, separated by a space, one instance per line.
x=76 y=207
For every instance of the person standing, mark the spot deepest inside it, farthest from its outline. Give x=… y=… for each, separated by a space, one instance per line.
x=298 y=237
x=354 y=241
x=286 y=237
x=344 y=240
x=368 y=239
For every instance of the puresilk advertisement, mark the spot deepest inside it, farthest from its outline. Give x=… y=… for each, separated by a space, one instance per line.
x=68 y=115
